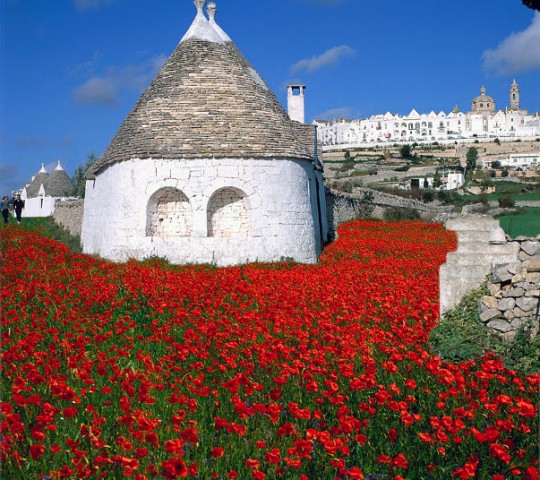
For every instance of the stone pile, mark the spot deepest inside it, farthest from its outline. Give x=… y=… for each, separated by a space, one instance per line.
x=514 y=292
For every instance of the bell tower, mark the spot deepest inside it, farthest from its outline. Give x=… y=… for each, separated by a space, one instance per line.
x=514 y=96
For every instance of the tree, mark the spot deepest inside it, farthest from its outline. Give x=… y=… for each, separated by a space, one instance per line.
x=405 y=151
x=496 y=164
x=472 y=157
x=79 y=176
x=534 y=4
x=437 y=180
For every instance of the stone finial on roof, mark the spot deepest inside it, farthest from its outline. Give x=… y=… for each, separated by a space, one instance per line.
x=211 y=10
x=59 y=167
x=200 y=28
x=43 y=169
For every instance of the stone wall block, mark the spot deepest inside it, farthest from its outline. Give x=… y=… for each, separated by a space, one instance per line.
x=490 y=314
x=489 y=302
x=514 y=268
x=518 y=313
x=530 y=247
x=523 y=256
x=506 y=304
x=500 y=274
x=533 y=293
x=517 y=323
x=509 y=315
x=515 y=292
x=494 y=288
x=500 y=325
x=527 y=304
x=534 y=264
x=533 y=277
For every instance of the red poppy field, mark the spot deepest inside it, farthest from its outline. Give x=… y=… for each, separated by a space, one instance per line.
x=263 y=371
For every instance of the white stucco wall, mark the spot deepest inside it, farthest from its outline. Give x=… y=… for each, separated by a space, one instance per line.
x=38 y=207
x=281 y=200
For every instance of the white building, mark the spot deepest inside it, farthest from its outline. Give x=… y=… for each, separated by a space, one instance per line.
x=42 y=193
x=207 y=167
x=514 y=161
x=454 y=180
x=483 y=121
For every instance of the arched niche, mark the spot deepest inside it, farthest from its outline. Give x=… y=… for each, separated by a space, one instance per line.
x=228 y=213
x=169 y=214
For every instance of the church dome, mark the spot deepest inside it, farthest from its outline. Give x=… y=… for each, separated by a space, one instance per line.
x=58 y=184
x=207 y=101
x=483 y=102
x=32 y=190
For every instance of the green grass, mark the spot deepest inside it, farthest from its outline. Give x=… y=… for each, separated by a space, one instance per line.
x=526 y=224
x=518 y=191
x=460 y=335
x=48 y=227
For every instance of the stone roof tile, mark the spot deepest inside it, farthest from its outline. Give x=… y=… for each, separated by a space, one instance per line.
x=207 y=102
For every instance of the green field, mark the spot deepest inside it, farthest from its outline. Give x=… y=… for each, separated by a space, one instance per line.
x=526 y=224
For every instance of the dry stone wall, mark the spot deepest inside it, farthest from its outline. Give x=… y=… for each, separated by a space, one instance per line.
x=514 y=289
x=512 y=268
x=363 y=202
x=69 y=214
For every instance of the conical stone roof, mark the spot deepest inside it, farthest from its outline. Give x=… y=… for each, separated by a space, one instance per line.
x=59 y=184
x=32 y=190
x=207 y=102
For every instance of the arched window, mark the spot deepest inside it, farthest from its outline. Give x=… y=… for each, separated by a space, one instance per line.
x=228 y=213
x=168 y=214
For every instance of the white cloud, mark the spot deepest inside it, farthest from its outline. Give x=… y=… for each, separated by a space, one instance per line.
x=518 y=53
x=335 y=113
x=96 y=90
x=84 y=5
x=106 y=89
x=330 y=57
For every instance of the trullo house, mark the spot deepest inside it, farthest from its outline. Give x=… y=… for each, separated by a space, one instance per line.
x=207 y=167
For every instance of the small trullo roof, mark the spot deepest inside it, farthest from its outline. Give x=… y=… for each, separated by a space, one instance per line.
x=207 y=102
x=32 y=190
x=59 y=184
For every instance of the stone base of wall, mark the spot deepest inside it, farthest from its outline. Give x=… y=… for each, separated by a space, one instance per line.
x=512 y=268
x=69 y=215
x=514 y=289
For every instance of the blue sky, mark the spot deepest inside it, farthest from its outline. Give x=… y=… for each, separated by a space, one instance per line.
x=73 y=69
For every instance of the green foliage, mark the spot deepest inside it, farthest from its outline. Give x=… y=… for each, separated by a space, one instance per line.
x=504 y=173
x=527 y=223
x=368 y=204
x=79 y=176
x=460 y=336
x=397 y=214
x=49 y=228
x=428 y=196
x=506 y=201
x=484 y=200
x=496 y=164
x=437 y=180
x=405 y=151
x=472 y=157
x=345 y=167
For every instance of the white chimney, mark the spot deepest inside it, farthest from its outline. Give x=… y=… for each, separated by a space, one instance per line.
x=295 y=102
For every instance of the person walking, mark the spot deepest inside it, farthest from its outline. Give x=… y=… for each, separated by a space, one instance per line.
x=4 y=206
x=18 y=205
